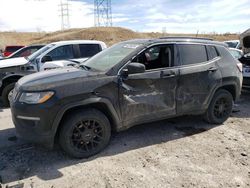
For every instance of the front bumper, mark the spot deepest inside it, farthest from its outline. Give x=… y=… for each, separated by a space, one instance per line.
x=34 y=123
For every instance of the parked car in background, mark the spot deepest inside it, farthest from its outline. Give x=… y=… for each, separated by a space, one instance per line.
x=25 y=51
x=234 y=44
x=245 y=59
x=237 y=54
x=130 y=83
x=1 y=57
x=11 y=49
x=48 y=57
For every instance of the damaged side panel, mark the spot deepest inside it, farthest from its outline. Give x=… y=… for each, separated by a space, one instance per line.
x=195 y=85
x=148 y=96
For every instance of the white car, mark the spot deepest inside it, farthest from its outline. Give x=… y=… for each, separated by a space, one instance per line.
x=53 y=53
x=51 y=56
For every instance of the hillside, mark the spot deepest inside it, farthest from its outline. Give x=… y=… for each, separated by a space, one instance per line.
x=109 y=35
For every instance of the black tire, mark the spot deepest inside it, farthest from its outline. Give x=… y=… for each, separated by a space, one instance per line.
x=84 y=133
x=220 y=107
x=5 y=95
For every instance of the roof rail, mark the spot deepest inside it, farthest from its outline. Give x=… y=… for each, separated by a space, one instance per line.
x=183 y=37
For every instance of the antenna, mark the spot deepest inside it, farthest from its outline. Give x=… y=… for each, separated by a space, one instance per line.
x=103 y=13
x=64 y=14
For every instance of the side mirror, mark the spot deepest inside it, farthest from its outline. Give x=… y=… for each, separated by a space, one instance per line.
x=46 y=59
x=133 y=68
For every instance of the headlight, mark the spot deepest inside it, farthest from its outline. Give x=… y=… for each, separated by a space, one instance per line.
x=36 y=97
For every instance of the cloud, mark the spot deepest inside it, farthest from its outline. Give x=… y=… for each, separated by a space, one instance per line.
x=141 y=15
x=32 y=15
x=186 y=16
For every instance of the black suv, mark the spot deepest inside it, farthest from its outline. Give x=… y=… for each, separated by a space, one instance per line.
x=130 y=83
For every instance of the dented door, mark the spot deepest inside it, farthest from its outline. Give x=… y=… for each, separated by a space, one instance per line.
x=198 y=78
x=148 y=96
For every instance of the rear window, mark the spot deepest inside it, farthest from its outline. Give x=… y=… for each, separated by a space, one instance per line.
x=89 y=50
x=192 y=53
x=212 y=52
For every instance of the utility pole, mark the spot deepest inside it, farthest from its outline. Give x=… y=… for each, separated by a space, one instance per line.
x=103 y=13
x=64 y=14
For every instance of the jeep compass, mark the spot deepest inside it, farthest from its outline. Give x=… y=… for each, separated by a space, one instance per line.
x=130 y=83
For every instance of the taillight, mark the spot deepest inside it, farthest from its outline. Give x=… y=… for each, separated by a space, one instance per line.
x=240 y=67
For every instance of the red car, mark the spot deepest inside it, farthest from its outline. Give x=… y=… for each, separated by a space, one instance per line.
x=11 y=49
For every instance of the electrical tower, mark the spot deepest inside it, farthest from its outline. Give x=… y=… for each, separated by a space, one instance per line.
x=64 y=14
x=103 y=13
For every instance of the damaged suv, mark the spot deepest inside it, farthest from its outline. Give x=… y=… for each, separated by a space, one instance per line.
x=130 y=83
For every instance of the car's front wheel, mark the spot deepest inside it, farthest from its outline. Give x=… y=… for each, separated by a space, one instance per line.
x=7 y=94
x=220 y=107
x=85 y=133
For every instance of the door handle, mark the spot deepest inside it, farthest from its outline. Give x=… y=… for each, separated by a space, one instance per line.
x=167 y=75
x=212 y=69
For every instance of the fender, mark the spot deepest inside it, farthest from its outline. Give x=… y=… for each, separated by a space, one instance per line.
x=234 y=83
x=90 y=101
x=10 y=76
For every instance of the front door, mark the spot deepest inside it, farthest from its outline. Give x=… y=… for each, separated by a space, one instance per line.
x=150 y=95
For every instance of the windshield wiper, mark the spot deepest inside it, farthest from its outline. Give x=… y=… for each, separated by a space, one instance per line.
x=74 y=61
x=85 y=67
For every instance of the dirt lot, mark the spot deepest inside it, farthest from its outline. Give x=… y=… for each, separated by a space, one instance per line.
x=182 y=152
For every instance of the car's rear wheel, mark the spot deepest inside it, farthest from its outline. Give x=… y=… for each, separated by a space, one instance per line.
x=85 y=133
x=220 y=107
x=7 y=94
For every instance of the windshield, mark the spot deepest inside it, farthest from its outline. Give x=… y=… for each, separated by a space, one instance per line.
x=232 y=44
x=108 y=58
x=39 y=52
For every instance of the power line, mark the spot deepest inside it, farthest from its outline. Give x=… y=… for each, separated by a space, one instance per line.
x=64 y=14
x=103 y=13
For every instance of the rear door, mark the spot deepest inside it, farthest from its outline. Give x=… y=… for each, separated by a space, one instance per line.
x=199 y=75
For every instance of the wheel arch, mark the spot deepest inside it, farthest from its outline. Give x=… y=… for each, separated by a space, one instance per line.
x=8 y=80
x=103 y=105
x=231 y=89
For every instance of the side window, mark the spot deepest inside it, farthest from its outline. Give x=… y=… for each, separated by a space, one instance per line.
x=89 y=50
x=212 y=52
x=26 y=53
x=62 y=52
x=192 y=53
x=157 y=57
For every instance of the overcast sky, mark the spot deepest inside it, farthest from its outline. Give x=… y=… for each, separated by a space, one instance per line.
x=177 y=16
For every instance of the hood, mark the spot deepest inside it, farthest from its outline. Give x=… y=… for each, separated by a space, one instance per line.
x=12 y=62
x=60 y=63
x=54 y=78
x=245 y=41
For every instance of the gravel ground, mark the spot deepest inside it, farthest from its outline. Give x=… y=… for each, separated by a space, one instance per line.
x=181 y=152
